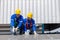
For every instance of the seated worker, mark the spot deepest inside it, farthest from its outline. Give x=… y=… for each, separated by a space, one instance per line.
x=17 y=22
x=29 y=24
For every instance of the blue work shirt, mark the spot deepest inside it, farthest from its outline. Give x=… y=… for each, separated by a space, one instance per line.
x=29 y=21
x=18 y=20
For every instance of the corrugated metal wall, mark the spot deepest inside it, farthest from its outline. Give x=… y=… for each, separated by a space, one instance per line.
x=44 y=11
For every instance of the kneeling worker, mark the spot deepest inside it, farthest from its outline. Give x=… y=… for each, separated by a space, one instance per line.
x=17 y=22
x=29 y=24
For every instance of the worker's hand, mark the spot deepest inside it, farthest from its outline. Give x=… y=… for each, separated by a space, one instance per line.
x=16 y=29
x=27 y=32
x=13 y=29
x=35 y=32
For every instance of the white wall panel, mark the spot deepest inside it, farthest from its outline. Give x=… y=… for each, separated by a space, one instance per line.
x=49 y=10
x=57 y=12
x=9 y=12
x=44 y=11
x=38 y=12
x=23 y=7
x=2 y=11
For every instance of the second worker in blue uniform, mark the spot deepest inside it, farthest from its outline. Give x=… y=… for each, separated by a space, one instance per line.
x=29 y=24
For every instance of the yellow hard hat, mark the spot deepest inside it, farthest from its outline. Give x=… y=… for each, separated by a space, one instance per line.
x=18 y=11
x=30 y=15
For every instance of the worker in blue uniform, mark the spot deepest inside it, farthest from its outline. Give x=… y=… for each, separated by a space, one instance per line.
x=17 y=22
x=29 y=24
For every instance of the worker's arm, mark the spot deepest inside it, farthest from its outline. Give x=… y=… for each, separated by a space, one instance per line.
x=34 y=27
x=12 y=21
x=24 y=21
x=20 y=22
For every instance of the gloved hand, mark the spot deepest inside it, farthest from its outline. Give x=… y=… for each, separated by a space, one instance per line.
x=27 y=32
x=13 y=29
x=35 y=32
x=16 y=29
